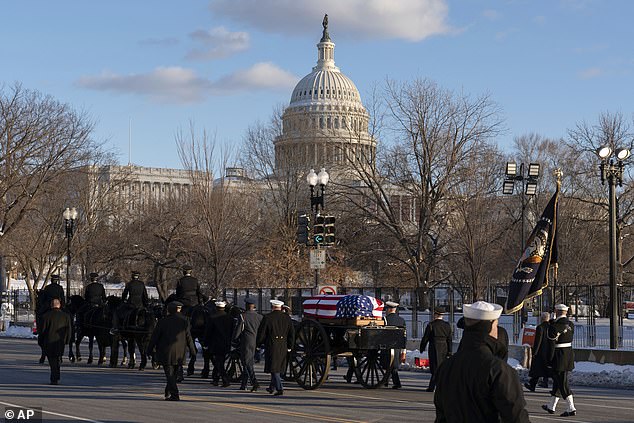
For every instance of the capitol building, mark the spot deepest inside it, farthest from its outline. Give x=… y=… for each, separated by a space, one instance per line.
x=325 y=124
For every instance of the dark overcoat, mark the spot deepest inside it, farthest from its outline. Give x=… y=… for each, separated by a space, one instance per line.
x=170 y=338
x=540 y=364
x=219 y=331
x=188 y=291
x=476 y=386
x=277 y=334
x=561 y=331
x=135 y=294
x=54 y=332
x=246 y=333
x=438 y=336
x=394 y=319
x=52 y=291
x=95 y=293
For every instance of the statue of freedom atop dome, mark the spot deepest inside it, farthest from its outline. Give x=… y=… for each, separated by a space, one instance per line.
x=325 y=36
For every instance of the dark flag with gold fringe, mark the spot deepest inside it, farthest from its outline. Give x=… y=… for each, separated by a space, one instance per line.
x=531 y=274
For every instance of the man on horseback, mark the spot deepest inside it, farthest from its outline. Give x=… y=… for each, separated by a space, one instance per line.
x=94 y=293
x=134 y=297
x=188 y=290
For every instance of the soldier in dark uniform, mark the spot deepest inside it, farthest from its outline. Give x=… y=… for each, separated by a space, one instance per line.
x=218 y=339
x=188 y=289
x=393 y=319
x=540 y=362
x=54 y=334
x=277 y=334
x=438 y=336
x=134 y=296
x=170 y=338
x=560 y=334
x=94 y=293
x=245 y=334
x=474 y=385
x=53 y=291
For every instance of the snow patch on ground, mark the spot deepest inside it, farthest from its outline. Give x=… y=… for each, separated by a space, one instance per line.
x=18 y=332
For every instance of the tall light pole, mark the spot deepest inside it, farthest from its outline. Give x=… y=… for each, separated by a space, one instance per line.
x=612 y=171
x=70 y=216
x=317 y=201
x=528 y=183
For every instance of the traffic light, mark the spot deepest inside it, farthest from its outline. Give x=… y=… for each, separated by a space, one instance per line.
x=319 y=230
x=329 y=230
x=303 y=228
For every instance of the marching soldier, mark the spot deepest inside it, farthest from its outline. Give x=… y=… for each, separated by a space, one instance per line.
x=245 y=334
x=188 y=289
x=540 y=362
x=170 y=338
x=438 y=336
x=277 y=334
x=475 y=385
x=94 y=293
x=135 y=292
x=218 y=340
x=393 y=319
x=54 y=333
x=560 y=335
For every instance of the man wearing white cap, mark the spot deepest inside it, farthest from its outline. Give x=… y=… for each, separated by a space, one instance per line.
x=218 y=339
x=277 y=334
x=560 y=335
x=474 y=385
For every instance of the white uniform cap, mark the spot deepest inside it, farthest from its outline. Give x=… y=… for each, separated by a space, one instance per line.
x=391 y=304
x=220 y=304
x=562 y=307
x=277 y=303
x=481 y=310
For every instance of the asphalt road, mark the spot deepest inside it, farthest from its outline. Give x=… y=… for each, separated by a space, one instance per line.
x=101 y=394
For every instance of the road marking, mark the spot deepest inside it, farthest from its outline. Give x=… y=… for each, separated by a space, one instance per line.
x=243 y=406
x=68 y=416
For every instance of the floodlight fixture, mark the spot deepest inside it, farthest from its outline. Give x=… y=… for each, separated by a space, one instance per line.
x=533 y=170
x=507 y=187
x=511 y=169
x=531 y=187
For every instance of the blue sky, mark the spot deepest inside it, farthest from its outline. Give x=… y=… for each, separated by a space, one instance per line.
x=225 y=64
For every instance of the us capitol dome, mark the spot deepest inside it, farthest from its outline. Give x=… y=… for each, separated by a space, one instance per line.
x=325 y=124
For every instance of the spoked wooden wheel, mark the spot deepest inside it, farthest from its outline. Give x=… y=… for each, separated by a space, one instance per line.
x=233 y=366
x=373 y=367
x=310 y=358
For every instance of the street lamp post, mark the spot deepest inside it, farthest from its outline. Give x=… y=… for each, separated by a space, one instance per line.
x=612 y=171
x=70 y=216
x=528 y=182
x=317 y=201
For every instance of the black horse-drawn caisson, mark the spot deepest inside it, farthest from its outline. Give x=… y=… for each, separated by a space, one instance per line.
x=324 y=333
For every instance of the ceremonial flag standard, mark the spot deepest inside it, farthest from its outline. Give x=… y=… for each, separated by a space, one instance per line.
x=531 y=274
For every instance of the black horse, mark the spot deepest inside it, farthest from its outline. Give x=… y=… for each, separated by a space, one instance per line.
x=135 y=326
x=95 y=323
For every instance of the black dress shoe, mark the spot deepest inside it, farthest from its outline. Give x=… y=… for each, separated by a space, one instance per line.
x=545 y=407
x=172 y=398
x=529 y=387
x=568 y=413
x=255 y=387
x=278 y=393
x=396 y=386
x=269 y=390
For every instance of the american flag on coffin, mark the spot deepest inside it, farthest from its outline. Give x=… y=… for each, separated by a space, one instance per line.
x=343 y=306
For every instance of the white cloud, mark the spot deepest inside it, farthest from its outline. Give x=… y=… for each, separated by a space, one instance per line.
x=263 y=75
x=411 y=20
x=218 y=43
x=591 y=73
x=491 y=14
x=181 y=86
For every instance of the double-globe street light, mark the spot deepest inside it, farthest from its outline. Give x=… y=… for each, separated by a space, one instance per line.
x=612 y=171
x=70 y=216
x=317 y=201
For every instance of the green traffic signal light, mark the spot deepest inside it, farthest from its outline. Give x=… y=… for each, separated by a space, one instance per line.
x=319 y=230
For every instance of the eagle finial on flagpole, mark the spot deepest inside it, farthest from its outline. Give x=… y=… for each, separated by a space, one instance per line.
x=558 y=175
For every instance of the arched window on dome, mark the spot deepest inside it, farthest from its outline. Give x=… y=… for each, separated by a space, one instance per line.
x=344 y=123
x=336 y=123
x=328 y=122
x=321 y=123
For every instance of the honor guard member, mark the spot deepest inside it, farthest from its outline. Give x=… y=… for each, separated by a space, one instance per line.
x=474 y=385
x=540 y=361
x=438 y=336
x=188 y=289
x=54 y=333
x=277 y=334
x=245 y=335
x=218 y=340
x=560 y=335
x=393 y=319
x=53 y=291
x=94 y=293
x=135 y=292
x=170 y=338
